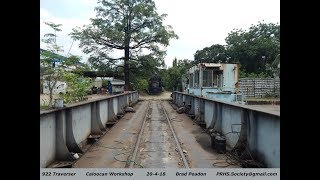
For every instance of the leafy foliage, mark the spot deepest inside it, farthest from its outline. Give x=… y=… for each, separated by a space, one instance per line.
x=141 y=84
x=132 y=26
x=275 y=66
x=142 y=69
x=54 y=68
x=213 y=54
x=51 y=74
x=77 y=89
x=172 y=77
x=254 y=49
x=243 y=74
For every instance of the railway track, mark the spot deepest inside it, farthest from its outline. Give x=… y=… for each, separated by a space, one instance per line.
x=157 y=145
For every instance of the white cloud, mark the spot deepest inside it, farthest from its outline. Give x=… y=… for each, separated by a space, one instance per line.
x=198 y=24
x=63 y=38
x=44 y=13
x=203 y=23
x=88 y=2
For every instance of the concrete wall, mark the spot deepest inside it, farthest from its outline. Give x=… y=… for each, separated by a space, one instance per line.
x=65 y=130
x=81 y=122
x=264 y=133
x=47 y=139
x=242 y=125
x=103 y=105
x=230 y=123
x=115 y=105
x=258 y=87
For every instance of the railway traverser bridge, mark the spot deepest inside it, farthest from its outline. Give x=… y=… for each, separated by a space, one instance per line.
x=181 y=131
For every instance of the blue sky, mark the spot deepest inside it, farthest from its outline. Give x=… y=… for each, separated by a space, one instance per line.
x=198 y=23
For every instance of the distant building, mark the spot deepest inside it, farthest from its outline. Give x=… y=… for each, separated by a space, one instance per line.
x=60 y=87
x=116 y=86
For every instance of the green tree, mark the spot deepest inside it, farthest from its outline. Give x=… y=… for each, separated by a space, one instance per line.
x=144 y=68
x=174 y=62
x=172 y=77
x=275 y=66
x=141 y=84
x=54 y=68
x=77 y=87
x=256 y=48
x=49 y=72
x=213 y=54
x=128 y=25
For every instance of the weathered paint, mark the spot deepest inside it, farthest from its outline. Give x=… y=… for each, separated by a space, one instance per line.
x=230 y=72
x=64 y=130
x=81 y=122
x=258 y=130
x=231 y=123
x=103 y=111
x=128 y=100
x=47 y=139
x=209 y=114
x=123 y=103
x=62 y=151
x=97 y=127
x=225 y=89
x=197 y=106
x=111 y=114
x=115 y=105
x=263 y=138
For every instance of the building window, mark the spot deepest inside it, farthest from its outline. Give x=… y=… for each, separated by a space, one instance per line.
x=217 y=80
x=191 y=80
x=207 y=78
x=196 y=79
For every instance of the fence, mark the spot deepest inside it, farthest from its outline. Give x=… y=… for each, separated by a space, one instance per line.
x=258 y=87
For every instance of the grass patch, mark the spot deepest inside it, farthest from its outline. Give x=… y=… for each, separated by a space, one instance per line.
x=44 y=107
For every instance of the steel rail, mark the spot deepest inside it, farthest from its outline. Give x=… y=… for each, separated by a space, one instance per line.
x=175 y=138
x=139 y=138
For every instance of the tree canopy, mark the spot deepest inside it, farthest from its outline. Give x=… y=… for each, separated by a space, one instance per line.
x=256 y=50
x=132 y=26
x=172 y=77
x=213 y=54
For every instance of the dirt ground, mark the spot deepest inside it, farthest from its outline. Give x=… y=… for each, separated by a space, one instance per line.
x=166 y=95
x=44 y=98
x=113 y=149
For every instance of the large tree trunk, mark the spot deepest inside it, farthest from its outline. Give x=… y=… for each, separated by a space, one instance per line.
x=126 y=58
x=126 y=68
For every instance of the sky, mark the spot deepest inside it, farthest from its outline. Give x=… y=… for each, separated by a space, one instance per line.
x=198 y=23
